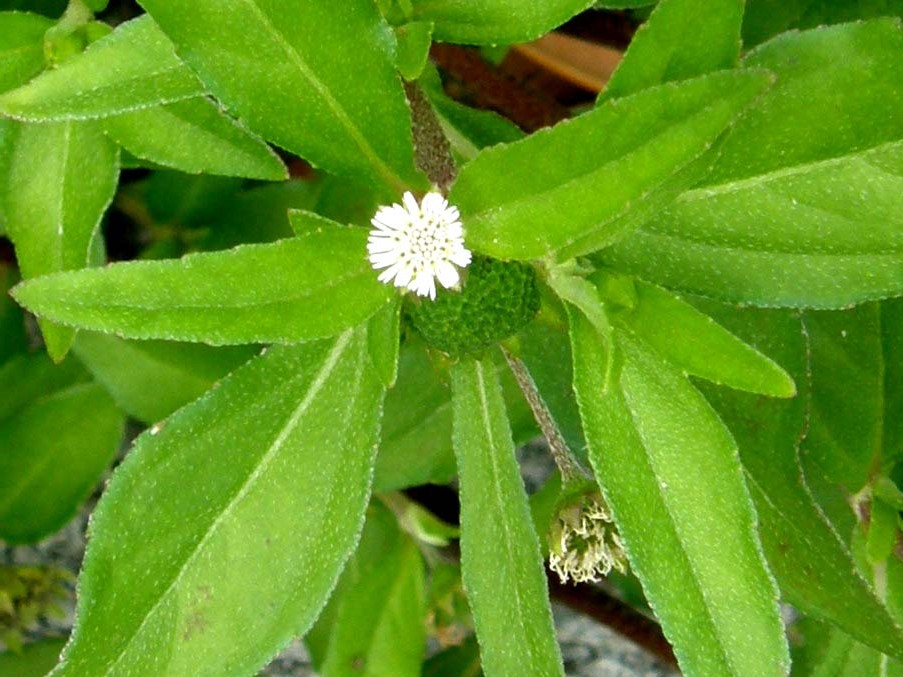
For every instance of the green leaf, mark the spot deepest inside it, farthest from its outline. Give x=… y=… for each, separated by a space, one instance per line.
x=677 y=43
x=500 y=558
x=288 y=291
x=698 y=345
x=416 y=445
x=134 y=67
x=58 y=182
x=151 y=379
x=670 y=473
x=468 y=129
x=317 y=78
x=27 y=377
x=764 y=19
x=12 y=321
x=195 y=136
x=813 y=566
x=414 y=40
x=383 y=336
x=260 y=490
x=491 y=22
x=50 y=8
x=845 y=442
x=546 y=353
x=545 y=196
x=21 y=47
x=806 y=194
x=379 y=623
x=54 y=453
x=36 y=659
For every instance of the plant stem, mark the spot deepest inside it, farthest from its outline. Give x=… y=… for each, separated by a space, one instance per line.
x=431 y=147
x=557 y=446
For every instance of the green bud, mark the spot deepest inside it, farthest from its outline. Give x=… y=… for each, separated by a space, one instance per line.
x=497 y=299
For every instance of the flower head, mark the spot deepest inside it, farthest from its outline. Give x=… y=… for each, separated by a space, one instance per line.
x=416 y=244
x=584 y=544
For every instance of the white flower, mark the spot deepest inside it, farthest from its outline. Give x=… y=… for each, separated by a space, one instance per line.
x=417 y=244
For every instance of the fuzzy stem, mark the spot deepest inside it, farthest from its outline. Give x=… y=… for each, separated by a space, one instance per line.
x=557 y=446
x=432 y=150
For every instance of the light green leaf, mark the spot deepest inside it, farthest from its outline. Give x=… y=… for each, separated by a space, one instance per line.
x=547 y=196
x=491 y=22
x=384 y=338
x=58 y=182
x=54 y=452
x=134 y=67
x=670 y=473
x=681 y=39
x=813 y=565
x=698 y=345
x=288 y=291
x=317 y=78
x=500 y=558
x=21 y=47
x=151 y=379
x=195 y=136
x=804 y=205
x=378 y=629
x=414 y=40
x=260 y=490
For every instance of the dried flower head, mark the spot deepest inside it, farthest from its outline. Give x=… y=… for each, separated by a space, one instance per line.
x=416 y=244
x=584 y=543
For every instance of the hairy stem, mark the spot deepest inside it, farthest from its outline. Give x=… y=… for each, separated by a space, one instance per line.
x=557 y=446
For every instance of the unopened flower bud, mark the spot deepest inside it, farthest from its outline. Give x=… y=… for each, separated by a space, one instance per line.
x=584 y=544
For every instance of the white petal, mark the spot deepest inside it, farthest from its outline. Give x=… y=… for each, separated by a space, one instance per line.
x=410 y=202
x=447 y=274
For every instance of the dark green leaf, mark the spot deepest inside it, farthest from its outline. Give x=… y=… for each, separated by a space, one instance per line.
x=379 y=626
x=845 y=442
x=21 y=47
x=36 y=660
x=764 y=19
x=468 y=129
x=12 y=320
x=260 y=490
x=195 y=136
x=59 y=180
x=288 y=291
x=492 y=22
x=681 y=39
x=54 y=452
x=27 y=377
x=151 y=379
x=416 y=445
x=804 y=205
x=500 y=558
x=134 y=67
x=546 y=196
x=317 y=78
x=813 y=566
x=670 y=474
